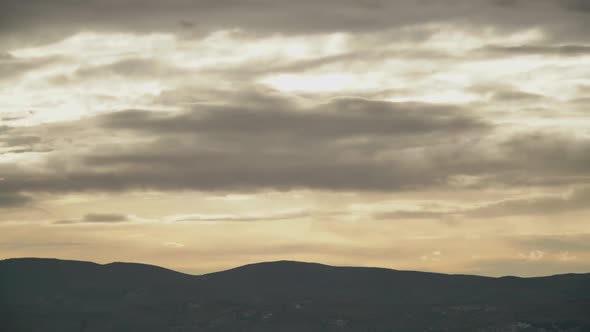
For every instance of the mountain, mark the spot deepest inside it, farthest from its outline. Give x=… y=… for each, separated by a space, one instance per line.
x=48 y=295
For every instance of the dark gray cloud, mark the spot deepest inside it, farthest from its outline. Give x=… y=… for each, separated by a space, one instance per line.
x=19 y=140
x=565 y=50
x=577 y=5
x=342 y=118
x=102 y=217
x=270 y=144
x=538 y=158
x=335 y=146
x=345 y=144
x=99 y=218
x=40 y=20
x=10 y=200
x=552 y=153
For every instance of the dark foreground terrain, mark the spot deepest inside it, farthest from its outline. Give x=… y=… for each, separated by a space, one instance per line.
x=62 y=296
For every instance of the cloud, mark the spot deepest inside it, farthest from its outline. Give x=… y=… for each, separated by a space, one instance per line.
x=104 y=218
x=12 y=67
x=564 y=50
x=550 y=154
x=11 y=118
x=506 y=93
x=98 y=218
x=11 y=200
x=101 y=217
x=576 y=5
x=579 y=199
x=341 y=118
x=269 y=143
x=545 y=157
x=270 y=216
x=16 y=140
x=334 y=146
x=132 y=68
x=5 y=129
x=61 y=18
x=414 y=214
x=19 y=140
x=345 y=144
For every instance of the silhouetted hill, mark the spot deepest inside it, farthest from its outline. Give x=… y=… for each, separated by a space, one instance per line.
x=55 y=295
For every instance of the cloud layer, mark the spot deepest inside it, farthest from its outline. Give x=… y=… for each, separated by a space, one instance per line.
x=42 y=20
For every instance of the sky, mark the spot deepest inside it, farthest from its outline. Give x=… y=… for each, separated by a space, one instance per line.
x=449 y=136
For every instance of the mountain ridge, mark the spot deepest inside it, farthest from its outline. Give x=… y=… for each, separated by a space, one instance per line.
x=277 y=262
x=42 y=295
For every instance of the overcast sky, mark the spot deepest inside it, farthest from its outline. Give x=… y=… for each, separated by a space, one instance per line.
x=439 y=135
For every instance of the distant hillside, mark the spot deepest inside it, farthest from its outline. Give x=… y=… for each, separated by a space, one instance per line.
x=53 y=295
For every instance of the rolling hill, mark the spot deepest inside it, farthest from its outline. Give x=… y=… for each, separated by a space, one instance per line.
x=62 y=296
